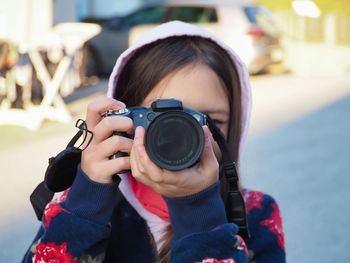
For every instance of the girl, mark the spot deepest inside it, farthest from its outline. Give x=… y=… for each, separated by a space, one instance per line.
x=157 y=215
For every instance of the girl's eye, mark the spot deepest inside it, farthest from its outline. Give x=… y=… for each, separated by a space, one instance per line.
x=217 y=122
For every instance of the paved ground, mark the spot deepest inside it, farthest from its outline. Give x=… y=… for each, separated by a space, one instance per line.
x=297 y=151
x=305 y=166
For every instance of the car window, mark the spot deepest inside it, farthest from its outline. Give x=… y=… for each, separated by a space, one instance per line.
x=262 y=17
x=193 y=14
x=144 y=16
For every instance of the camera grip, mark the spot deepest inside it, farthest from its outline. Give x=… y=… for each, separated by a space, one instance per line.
x=120 y=154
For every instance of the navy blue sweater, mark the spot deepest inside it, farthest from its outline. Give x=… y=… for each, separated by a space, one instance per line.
x=92 y=222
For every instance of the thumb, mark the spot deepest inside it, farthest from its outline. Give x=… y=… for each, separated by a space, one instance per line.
x=208 y=159
x=139 y=136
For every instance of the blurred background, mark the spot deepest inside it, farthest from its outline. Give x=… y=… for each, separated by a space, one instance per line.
x=56 y=55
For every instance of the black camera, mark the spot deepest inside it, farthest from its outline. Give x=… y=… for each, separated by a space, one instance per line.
x=174 y=137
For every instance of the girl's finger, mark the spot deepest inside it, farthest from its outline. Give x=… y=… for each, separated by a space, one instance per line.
x=97 y=108
x=109 y=168
x=135 y=171
x=134 y=156
x=208 y=161
x=145 y=166
x=113 y=145
x=119 y=164
x=105 y=127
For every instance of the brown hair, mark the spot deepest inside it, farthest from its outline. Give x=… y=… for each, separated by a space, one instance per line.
x=151 y=63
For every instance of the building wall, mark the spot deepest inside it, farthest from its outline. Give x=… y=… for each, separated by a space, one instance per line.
x=330 y=28
x=23 y=22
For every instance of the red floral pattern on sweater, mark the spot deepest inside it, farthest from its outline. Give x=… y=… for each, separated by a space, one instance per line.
x=53 y=208
x=242 y=245
x=214 y=260
x=51 y=211
x=61 y=196
x=52 y=253
x=274 y=224
x=253 y=199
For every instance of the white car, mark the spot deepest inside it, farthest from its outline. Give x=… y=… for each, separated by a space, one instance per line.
x=248 y=29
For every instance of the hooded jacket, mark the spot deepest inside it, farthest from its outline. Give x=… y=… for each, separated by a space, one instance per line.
x=95 y=222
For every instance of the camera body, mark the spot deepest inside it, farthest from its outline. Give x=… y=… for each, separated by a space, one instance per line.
x=174 y=137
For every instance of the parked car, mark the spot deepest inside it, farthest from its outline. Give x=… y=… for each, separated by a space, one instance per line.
x=249 y=29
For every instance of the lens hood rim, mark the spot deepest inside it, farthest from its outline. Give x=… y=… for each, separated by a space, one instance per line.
x=199 y=149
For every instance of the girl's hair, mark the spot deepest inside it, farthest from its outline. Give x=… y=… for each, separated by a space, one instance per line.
x=151 y=63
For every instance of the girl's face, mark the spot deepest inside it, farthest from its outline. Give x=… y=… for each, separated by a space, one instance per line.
x=199 y=88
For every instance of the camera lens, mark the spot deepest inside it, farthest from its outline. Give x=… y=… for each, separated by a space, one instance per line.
x=174 y=140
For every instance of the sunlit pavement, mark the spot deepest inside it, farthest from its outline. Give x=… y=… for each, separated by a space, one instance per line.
x=297 y=151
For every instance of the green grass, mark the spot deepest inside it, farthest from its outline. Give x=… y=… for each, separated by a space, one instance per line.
x=15 y=135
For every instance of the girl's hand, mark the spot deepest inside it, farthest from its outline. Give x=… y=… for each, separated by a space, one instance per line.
x=174 y=183
x=95 y=160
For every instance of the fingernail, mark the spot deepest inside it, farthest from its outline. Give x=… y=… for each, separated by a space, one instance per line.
x=122 y=104
x=137 y=132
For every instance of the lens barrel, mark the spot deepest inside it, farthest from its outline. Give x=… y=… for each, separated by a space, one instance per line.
x=174 y=140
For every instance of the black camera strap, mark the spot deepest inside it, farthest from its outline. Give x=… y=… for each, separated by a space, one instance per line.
x=235 y=205
x=60 y=172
